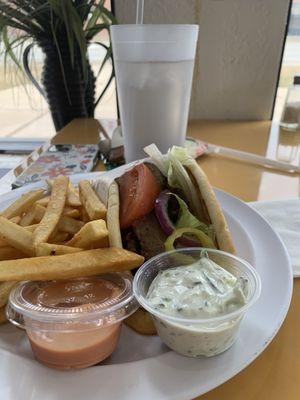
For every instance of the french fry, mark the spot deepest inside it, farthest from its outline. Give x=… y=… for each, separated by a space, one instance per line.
x=22 y=204
x=5 y=288
x=31 y=228
x=113 y=220
x=46 y=249
x=10 y=253
x=70 y=225
x=84 y=215
x=65 y=224
x=15 y=219
x=90 y=201
x=84 y=263
x=71 y=212
x=44 y=201
x=141 y=322
x=58 y=237
x=53 y=211
x=39 y=212
x=28 y=218
x=92 y=235
x=50 y=185
x=3 y=318
x=67 y=211
x=3 y=243
x=16 y=236
x=72 y=197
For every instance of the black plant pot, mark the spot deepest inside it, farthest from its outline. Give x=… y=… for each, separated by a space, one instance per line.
x=67 y=94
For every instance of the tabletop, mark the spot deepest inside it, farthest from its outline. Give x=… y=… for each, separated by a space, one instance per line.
x=243 y=180
x=275 y=373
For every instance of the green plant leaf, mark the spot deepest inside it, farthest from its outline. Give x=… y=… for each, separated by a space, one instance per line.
x=84 y=8
x=75 y=21
x=4 y=21
x=108 y=55
x=81 y=40
x=111 y=18
x=96 y=13
x=60 y=57
x=15 y=16
x=91 y=32
x=15 y=42
x=104 y=90
x=55 y=6
x=65 y=8
x=8 y=48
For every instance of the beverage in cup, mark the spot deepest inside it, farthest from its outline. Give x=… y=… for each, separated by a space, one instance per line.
x=154 y=70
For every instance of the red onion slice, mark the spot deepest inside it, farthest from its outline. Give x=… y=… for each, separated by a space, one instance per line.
x=161 y=212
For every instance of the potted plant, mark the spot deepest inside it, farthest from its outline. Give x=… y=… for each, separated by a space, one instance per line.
x=63 y=29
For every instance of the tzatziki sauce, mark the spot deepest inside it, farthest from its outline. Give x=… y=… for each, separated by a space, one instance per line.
x=202 y=291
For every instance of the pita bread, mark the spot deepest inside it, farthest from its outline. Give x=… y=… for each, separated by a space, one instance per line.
x=213 y=207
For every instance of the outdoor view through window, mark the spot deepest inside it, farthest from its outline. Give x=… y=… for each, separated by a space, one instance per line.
x=24 y=112
x=291 y=59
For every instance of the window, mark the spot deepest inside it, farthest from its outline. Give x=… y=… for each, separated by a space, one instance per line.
x=24 y=112
x=291 y=58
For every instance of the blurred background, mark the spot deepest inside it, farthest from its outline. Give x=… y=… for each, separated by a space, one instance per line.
x=24 y=113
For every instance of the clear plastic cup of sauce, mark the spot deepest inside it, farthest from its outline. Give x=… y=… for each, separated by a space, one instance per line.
x=75 y=323
x=195 y=336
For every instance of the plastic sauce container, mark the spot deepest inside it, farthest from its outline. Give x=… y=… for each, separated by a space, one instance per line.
x=75 y=323
x=195 y=337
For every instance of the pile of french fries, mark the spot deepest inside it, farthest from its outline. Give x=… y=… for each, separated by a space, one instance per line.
x=68 y=223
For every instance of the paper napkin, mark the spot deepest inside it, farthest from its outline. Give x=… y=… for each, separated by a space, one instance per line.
x=284 y=217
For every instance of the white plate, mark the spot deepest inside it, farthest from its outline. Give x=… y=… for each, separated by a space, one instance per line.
x=143 y=368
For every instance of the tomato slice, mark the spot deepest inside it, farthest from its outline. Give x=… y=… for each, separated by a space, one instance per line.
x=138 y=192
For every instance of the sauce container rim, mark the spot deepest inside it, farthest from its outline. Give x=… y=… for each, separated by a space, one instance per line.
x=111 y=311
x=251 y=272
